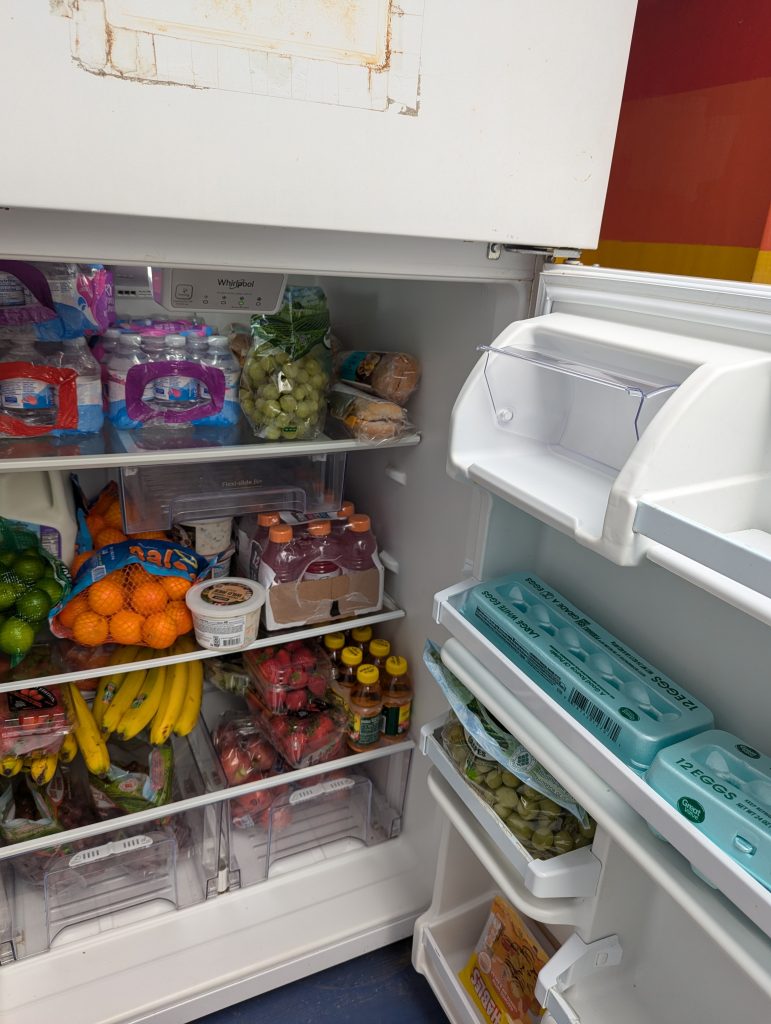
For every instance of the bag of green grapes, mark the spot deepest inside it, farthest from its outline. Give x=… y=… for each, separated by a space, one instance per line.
x=287 y=369
x=31 y=582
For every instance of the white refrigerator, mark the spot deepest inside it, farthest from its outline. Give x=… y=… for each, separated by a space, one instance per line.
x=437 y=167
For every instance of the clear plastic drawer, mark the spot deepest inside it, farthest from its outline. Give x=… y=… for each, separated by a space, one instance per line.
x=155 y=497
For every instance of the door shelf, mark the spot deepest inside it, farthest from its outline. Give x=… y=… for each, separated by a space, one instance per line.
x=574 y=874
x=389 y=612
x=597 y=778
x=112 y=448
x=724 y=528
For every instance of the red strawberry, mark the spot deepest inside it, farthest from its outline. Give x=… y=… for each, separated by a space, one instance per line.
x=317 y=685
x=295 y=700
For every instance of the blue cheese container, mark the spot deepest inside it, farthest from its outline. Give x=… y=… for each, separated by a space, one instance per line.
x=723 y=787
x=623 y=700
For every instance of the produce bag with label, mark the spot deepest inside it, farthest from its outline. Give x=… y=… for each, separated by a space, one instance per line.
x=246 y=755
x=287 y=369
x=130 y=593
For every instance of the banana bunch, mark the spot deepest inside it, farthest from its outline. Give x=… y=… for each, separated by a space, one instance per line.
x=161 y=699
x=41 y=765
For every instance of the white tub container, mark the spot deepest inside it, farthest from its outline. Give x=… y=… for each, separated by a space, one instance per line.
x=226 y=612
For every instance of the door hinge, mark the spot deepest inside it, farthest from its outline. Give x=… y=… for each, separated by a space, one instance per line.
x=494 y=250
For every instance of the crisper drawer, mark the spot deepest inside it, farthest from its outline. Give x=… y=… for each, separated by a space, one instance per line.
x=155 y=497
x=79 y=884
x=309 y=816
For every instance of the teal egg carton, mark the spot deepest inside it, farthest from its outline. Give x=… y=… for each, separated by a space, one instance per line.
x=623 y=700
x=723 y=787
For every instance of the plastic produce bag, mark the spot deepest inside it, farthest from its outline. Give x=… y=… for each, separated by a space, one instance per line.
x=486 y=737
x=287 y=369
x=139 y=777
x=26 y=812
x=390 y=375
x=32 y=582
x=130 y=593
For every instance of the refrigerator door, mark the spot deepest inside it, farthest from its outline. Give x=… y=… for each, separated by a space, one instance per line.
x=486 y=121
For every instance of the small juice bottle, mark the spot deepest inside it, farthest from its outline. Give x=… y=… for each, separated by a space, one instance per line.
x=366 y=709
x=360 y=637
x=333 y=645
x=350 y=660
x=378 y=652
x=397 y=700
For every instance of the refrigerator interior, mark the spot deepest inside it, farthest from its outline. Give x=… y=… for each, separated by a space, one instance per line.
x=178 y=966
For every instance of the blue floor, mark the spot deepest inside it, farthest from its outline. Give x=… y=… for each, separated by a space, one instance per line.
x=378 y=988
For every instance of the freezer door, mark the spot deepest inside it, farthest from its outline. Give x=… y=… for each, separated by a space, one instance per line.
x=488 y=121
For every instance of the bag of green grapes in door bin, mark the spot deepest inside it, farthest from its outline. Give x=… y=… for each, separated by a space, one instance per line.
x=32 y=582
x=286 y=374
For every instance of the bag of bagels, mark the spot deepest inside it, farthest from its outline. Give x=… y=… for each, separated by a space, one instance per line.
x=367 y=418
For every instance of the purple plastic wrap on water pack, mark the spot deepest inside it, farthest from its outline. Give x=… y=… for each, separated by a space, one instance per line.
x=35 y=283
x=138 y=378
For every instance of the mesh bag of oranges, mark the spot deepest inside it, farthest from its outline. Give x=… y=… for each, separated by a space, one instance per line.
x=32 y=582
x=101 y=523
x=130 y=593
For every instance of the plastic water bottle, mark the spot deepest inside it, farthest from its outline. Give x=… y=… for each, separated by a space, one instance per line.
x=172 y=393
x=358 y=545
x=128 y=353
x=109 y=344
x=76 y=355
x=221 y=358
x=30 y=401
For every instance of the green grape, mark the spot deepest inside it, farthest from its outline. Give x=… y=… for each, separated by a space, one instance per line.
x=269 y=392
x=281 y=357
x=256 y=373
x=283 y=420
x=508 y=798
x=510 y=780
x=271 y=409
x=302 y=376
x=288 y=403
x=305 y=410
x=248 y=407
x=272 y=433
x=531 y=793
x=317 y=381
x=563 y=842
x=300 y=391
x=502 y=810
x=291 y=370
x=519 y=827
x=549 y=809
x=543 y=839
x=311 y=364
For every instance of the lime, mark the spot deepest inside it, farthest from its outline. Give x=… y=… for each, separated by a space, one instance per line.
x=7 y=557
x=16 y=637
x=49 y=573
x=34 y=605
x=8 y=594
x=52 y=588
x=29 y=567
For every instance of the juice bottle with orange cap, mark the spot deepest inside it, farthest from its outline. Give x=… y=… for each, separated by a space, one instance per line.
x=358 y=546
x=280 y=561
x=366 y=709
x=345 y=512
x=320 y=546
x=397 y=700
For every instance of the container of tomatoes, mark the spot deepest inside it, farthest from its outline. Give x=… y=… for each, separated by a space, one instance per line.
x=246 y=755
x=290 y=677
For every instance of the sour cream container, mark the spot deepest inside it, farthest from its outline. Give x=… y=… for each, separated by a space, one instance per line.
x=226 y=612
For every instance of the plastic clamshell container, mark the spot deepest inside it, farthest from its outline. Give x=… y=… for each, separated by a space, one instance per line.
x=155 y=497
x=31 y=720
x=289 y=677
x=723 y=787
x=304 y=738
x=77 y=888
x=623 y=700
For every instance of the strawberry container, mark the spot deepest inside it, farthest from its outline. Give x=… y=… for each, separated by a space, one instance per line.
x=303 y=738
x=32 y=720
x=246 y=755
x=291 y=677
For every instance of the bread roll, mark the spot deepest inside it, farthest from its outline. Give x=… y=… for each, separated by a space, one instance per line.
x=367 y=418
x=390 y=375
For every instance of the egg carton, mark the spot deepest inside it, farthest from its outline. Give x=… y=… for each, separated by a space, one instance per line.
x=624 y=701
x=723 y=787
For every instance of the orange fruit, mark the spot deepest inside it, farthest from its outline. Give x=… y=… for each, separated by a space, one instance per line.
x=134 y=576
x=78 y=561
x=95 y=523
x=148 y=598
x=72 y=609
x=150 y=535
x=90 y=629
x=113 y=517
x=126 y=627
x=106 y=597
x=179 y=613
x=175 y=586
x=159 y=631
x=108 y=536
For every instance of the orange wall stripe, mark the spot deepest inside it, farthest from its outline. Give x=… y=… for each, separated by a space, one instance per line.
x=732 y=262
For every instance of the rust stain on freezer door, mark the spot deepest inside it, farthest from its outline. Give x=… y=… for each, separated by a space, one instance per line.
x=357 y=53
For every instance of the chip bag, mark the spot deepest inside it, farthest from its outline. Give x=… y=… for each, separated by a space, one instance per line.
x=130 y=593
x=501 y=974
